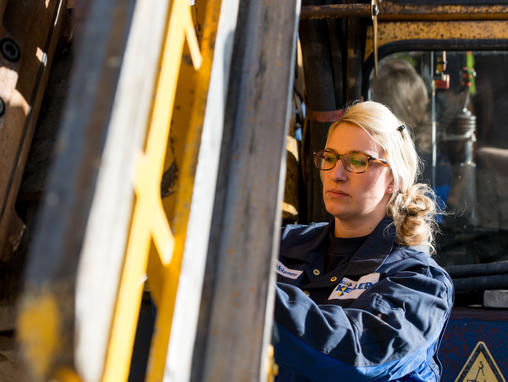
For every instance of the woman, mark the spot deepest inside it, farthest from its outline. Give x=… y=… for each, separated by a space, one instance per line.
x=360 y=298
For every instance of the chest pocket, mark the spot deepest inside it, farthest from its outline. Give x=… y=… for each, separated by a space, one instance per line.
x=350 y=289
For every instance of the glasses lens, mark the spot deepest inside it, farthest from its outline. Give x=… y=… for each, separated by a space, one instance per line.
x=325 y=160
x=356 y=162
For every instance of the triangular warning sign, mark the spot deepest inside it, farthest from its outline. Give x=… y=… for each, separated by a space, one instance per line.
x=480 y=367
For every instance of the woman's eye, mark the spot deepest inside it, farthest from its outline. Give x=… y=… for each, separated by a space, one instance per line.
x=358 y=162
x=329 y=158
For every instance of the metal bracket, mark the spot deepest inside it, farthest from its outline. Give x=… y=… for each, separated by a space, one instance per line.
x=374 y=9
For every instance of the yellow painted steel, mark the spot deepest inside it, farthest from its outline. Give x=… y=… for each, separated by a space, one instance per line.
x=273 y=368
x=155 y=271
x=389 y=32
x=395 y=11
x=183 y=195
x=151 y=227
x=65 y=374
x=40 y=346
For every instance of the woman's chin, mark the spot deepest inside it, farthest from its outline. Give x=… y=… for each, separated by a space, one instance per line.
x=339 y=213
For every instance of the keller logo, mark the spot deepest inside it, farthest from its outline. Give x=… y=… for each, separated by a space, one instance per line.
x=350 y=289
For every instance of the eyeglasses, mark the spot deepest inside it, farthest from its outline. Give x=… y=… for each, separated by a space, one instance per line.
x=355 y=162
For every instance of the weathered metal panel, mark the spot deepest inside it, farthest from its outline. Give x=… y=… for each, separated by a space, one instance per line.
x=468 y=326
x=235 y=323
x=29 y=33
x=223 y=16
x=46 y=316
x=107 y=228
x=390 y=10
x=436 y=31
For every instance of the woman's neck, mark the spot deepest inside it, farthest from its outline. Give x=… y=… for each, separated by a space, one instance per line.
x=347 y=228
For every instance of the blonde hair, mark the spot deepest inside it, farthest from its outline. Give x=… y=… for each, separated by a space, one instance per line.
x=412 y=207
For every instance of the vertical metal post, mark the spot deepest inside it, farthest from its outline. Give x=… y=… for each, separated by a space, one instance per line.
x=356 y=32
x=46 y=320
x=235 y=324
x=434 y=122
x=321 y=42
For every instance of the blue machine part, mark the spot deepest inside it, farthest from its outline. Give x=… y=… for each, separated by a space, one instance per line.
x=468 y=326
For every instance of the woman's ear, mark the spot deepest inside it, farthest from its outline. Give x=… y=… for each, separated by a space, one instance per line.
x=390 y=189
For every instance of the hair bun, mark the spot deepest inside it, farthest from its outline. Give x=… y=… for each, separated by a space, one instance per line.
x=414 y=216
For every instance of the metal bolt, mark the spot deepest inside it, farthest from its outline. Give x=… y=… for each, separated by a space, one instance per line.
x=10 y=49
x=2 y=107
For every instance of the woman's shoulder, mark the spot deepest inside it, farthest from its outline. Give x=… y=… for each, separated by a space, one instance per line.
x=416 y=259
x=293 y=234
x=304 y=229
x=416 y=269
x=420 y=253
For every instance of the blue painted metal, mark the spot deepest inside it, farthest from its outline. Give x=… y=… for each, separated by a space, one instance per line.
x=466 y=327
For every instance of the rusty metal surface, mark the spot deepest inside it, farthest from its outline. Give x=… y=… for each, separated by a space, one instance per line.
x=34 y=174
x=391 y=11
x=437 y=30
x=354 y=59
x=334 y=11
x=456 y=31
x=28 y=36
x=237 y=299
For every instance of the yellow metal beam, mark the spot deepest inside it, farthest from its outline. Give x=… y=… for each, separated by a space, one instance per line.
x=151 y=222
x=394 y=11
x=148 y=203
x=390 y=11
x=183 y=194
x=389 y=32
x=39 y=325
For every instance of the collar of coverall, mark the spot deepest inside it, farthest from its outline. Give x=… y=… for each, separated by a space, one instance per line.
x=367 y=259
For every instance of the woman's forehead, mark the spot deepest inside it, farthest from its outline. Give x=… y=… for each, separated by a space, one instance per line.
x=347 y=137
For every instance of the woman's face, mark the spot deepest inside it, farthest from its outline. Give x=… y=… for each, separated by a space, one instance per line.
x=356 y=198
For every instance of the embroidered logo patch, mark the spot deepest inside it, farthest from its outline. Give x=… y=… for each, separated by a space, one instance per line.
x=349 y=289
x=286 y=272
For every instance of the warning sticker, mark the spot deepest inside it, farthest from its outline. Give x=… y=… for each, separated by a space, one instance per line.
x=480 y=367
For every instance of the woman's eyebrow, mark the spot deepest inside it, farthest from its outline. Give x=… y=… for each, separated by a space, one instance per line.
x=330 y=149
x=371 y=153
x=349 y=152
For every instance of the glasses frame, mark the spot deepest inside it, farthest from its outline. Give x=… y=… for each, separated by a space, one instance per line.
x=340 y=157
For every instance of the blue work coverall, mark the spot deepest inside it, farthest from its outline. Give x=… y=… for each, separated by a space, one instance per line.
x=379 y=317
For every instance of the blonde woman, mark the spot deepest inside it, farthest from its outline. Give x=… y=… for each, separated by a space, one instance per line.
x=360 y=298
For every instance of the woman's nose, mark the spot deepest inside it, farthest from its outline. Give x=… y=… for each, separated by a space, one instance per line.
x=339 y=173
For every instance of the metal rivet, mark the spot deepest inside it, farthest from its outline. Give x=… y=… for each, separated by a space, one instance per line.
x=333 y=279
x=10 y=49
x=2 y=107
x=306 y=292
x=316 y=272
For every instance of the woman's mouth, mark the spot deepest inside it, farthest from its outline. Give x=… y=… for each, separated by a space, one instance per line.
x=337 y=194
